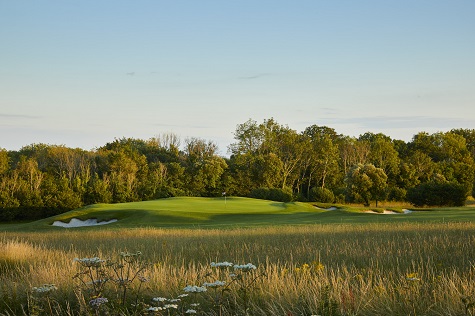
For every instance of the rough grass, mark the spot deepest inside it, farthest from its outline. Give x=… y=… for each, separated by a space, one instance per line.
x=308 y=269
x=313 y=261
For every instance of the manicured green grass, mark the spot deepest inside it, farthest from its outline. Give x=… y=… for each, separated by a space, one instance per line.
x=197 y=212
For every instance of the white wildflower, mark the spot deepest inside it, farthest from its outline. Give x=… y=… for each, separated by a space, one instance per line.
x=245 y=267
x=194 y=289
x=224 y=264
x=174 y=300
x=195 y=304
x=182 y=295
x=159 y=299
x=154 y=309
x=45 y=288
x=90 y=262
x=190 y=311
x=167 y=306
x=214 y=284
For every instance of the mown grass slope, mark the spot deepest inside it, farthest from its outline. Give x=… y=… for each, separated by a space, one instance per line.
x=198 y=212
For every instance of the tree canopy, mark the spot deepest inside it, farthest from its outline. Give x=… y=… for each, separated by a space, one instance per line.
x=267 y=159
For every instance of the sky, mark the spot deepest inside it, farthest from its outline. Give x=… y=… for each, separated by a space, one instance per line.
x=83 y=73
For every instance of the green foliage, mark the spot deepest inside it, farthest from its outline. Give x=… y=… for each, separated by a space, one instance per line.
x=273 y=194
x=366 y=183
x=328 y=306
x=47 y=179
x=322 y=195
x=437 y=194
x=397 y=194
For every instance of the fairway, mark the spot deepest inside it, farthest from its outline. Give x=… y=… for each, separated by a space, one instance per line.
x=234 y=212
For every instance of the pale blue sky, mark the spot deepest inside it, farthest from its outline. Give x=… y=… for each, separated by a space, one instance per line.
x=83 y=73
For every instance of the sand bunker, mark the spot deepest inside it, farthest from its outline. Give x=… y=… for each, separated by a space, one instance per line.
x=386 y=212
x=327 y=209
x=79 y=223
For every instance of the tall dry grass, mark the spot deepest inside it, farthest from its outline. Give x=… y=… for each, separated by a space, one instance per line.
x=371 y=269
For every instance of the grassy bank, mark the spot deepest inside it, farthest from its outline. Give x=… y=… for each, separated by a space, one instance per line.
x=210 y=213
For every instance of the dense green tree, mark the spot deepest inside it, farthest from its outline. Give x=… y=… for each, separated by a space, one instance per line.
x=4 y=162
x=263 y=149
x=437 y=193
x=321 y=157
x=469 y=136
x=249 y=137
x=204 y=168
x=273 y=194
x=323 y=195
x=289 y=149
x=352 y=152
x=382 y=154
x=267 y=157
x=98 y=190
x=366 y=183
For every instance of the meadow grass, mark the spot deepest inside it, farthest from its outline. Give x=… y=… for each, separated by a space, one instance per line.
x=398 y=268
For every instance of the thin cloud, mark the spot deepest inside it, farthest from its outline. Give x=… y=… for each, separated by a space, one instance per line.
x=329 y=110
x=130 y=73
x=394 y=122
x=400 y=127
x=182 y=126
x=20 y=116
x=255 y=76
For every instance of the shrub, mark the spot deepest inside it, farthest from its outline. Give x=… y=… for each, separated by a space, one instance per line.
x=323 y=195
x=437 y=194
x=273 y=194
x=397 y=194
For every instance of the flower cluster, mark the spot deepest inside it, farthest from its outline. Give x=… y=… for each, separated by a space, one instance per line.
x=224 y=264
x=98 y=302
x=45 y=288
x=164 y=304
x=214 y=284
x=194 y=289
x=412 y=277
x=90 y=262
x=155 y=309
x=315 y=267
x=245 y=267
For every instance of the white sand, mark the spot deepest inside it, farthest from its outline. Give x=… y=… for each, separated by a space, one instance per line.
x=79 y=223
x=327 y=209
x=386 y=212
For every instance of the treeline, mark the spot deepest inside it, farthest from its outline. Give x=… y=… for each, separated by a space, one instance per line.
x=267 y=160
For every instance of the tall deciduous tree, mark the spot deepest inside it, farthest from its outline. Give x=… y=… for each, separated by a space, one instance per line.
x=382 y=154
x=323 y=155
x=203 y=167
x=352 y=152
x=366 y=183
